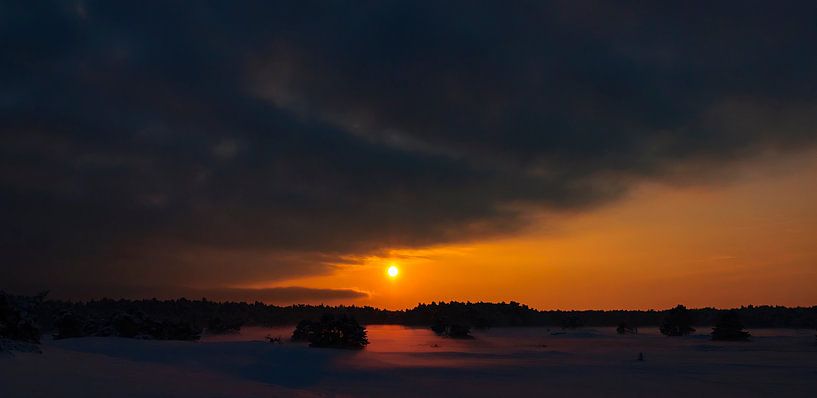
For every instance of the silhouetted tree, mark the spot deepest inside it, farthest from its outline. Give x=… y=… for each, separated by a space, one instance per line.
x=332 y=332
x=678 y=322
x=439 y=327
x=624 y=328
x=16 y=322
x=458 y=331
x=452 y=330
x=302 y=331
x=729 y=328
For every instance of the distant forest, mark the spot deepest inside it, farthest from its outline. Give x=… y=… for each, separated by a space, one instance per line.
x=203 y=312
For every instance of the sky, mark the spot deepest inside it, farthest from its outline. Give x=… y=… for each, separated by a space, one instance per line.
x=573 y=154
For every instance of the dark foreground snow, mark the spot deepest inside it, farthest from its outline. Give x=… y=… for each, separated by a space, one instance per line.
x=414 y=362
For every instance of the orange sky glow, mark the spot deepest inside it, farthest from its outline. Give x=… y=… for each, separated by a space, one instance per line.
x=748 y=238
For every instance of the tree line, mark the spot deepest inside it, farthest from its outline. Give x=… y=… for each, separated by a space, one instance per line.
x=26 y=318
x=203 y=313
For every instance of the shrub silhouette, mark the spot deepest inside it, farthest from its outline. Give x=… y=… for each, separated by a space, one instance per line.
x=15 y=319
x=624 y=328
x=302 y=331
x=678 y=322
x=729 y=328
x=331 y=332
x=452 y=330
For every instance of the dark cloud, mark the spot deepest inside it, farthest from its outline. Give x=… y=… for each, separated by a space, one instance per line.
x=292 y=294
x=163 y=142
x=273 y=295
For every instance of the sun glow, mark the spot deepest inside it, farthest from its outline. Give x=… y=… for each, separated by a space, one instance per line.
x=393 y=271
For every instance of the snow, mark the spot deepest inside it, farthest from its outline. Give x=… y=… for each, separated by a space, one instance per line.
x=403 y=361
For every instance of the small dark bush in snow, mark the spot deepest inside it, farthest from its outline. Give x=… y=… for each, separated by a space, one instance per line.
x=452 y=330
x=730 y=328
x=332 y=332
x=625 y=328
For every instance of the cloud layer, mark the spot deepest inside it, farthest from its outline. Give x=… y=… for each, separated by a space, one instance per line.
x=273 y=295
x=191 y=143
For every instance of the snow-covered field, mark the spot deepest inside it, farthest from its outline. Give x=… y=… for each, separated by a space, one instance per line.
x=400 y=361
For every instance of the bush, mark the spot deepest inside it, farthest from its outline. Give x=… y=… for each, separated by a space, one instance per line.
x=678 y=322
x=452 y=330
x=729 y=328
x=331 y=332
x=15 y=320
x=624 y=328
x=302 y=331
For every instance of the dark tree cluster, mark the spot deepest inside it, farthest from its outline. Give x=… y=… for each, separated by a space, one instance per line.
x=625 y=328
x=730 y=328
x=514 y=314
x=678 y=322
x=332 y=332
x=444 y=328
x=203 y=313
x=16 y=317
x=124 y=324
x=479 y=315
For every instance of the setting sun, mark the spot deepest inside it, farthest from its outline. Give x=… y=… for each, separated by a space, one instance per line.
x=393 y=271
